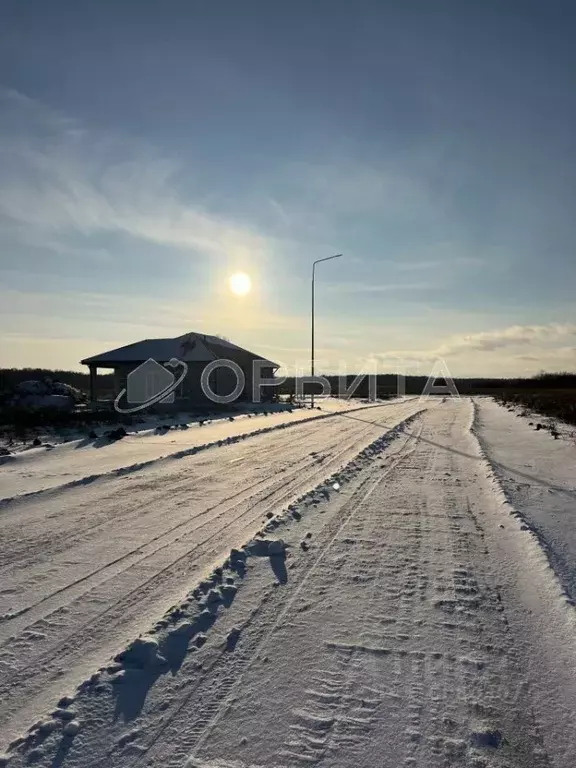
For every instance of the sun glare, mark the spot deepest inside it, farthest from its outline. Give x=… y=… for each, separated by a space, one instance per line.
x=240 y=283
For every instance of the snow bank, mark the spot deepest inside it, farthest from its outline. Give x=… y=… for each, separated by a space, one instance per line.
x=141 y=653
x=533 y=475
x=266 y=547
x=46 y=394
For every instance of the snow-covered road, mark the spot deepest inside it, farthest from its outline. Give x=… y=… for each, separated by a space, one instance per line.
x=85 y=568
x=80 y=461
x=414 y=622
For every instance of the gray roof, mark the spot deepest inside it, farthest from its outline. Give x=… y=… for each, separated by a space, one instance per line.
x=191 y=347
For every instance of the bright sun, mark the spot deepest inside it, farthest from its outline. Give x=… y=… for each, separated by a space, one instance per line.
x=240 y=283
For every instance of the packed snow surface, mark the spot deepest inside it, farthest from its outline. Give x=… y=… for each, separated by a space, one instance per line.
x=350 y=592
x=538 y=476
x=50 y=466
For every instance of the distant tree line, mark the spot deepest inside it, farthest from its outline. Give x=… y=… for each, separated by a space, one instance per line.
x=387 y=384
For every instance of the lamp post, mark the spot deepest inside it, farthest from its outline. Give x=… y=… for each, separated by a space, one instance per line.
x=327 y=258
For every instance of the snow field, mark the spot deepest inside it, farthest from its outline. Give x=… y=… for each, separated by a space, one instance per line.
x=537 y=477
x=411 y=630
x=84 y=569
x=81 y=462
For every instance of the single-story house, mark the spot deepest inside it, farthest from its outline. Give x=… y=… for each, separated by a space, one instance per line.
x=146 y=367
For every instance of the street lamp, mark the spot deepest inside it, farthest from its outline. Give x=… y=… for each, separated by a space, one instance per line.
x=327 y=258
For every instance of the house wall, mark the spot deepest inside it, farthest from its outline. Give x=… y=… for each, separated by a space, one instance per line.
x=266 y=391
x=222 y=381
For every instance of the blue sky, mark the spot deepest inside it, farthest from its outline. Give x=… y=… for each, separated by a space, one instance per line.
x=148 y=150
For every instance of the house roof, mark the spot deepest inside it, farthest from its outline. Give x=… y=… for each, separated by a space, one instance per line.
x=190 y=347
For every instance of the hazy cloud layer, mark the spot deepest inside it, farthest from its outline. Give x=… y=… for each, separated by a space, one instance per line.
x=74 y=197
x=541 y=339
x=508 y=337
x=59 y=179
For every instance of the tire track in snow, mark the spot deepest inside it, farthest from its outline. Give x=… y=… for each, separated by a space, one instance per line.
x=230 y=669
x=243 y=495
x=64 y=650
x=22 y=545
x=44 y=545
x=440 y=687
x=352 y=719
x=398 y=652
x=178 y=489
x=442 y=681
x=269 y=488
x=181 y=454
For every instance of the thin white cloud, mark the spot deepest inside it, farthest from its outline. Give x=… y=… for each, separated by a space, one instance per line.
x=437 y=264
x=321 y=201
x=375 y=287
x=344 y=187
x=507 y=337
x=528 y=358
x=406 y=355
x=567 y=354
x=59 y=179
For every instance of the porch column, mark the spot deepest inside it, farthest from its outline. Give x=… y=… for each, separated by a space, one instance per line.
x=93 y=393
